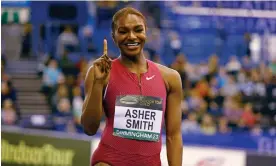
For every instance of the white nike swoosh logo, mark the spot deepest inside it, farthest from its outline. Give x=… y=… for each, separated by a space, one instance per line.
x=149 y=78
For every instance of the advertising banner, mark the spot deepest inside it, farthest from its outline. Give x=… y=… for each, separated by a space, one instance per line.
x=27 y=149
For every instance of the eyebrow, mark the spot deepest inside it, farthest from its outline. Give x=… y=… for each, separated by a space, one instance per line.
x=137 y=26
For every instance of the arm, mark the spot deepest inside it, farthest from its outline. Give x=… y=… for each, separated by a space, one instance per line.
x=96 y=78
x=173 y=120
x=92 y=106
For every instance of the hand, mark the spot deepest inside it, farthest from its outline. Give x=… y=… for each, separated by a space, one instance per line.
x=102 y=65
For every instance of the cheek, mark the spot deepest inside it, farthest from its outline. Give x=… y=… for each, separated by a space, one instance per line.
x=142 y=37
x=118 y=39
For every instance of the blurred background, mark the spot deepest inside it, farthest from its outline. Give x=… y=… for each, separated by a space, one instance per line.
x=225 y=52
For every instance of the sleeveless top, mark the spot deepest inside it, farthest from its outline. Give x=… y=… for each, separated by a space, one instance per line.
x=134 y=110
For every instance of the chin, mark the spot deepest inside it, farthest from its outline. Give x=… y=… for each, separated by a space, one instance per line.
x=133 y=53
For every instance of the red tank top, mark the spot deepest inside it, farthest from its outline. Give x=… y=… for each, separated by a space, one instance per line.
x=123 y=82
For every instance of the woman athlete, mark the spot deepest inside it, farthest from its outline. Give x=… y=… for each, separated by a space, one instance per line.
x=137 y=96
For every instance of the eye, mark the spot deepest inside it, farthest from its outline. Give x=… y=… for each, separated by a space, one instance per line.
x=122 y=32
x=139 y=30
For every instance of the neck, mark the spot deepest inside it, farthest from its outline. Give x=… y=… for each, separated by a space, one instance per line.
x=136 y=64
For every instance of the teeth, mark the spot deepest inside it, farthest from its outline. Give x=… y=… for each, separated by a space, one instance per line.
x=132 y=44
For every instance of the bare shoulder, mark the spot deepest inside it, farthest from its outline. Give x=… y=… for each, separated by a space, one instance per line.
x=170 y=76
x=167 y=71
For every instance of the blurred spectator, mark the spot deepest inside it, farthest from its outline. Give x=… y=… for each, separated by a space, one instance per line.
x=222 y=77
x=4 y=76
x=82 y=74
x=215 y=99
x=272 y=66
x=190 y=125
x=67 y=40
x=203 y=69
x=44 y=62
x=9 y=116
x=242 y=77
x=7 y=92
x=241 y=127
x=202 y=87
x=62 y=92
x=62 y=115
x=214 y=86
x=232 y=111
x=153 y=44
x=213 y=65
x=77 y=108
x=233 y=66
x=271 y=96
x=67 y=66
x=26 y=43
x=248 y=116
x=81 y=64
x=259 y=86
x=157 y=59
x=180 y=66
x=247 y=40
x=215 y=111
x=175 y=43
x=208 y=126
x=246 y=86
x=3 y=61
x=223 y=126
x=195 y=102
x=146 y=54
x=193 y=73
x=184 y=109
x=230 y=88
x=247 y=64
x=51 y=76
x=88 y=40
x=70 y=82
x=264 y=71
x=256 y=130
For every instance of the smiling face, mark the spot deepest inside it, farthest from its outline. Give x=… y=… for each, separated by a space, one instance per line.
x=129 y=34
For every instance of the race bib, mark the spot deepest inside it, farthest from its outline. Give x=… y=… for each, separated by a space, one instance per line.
x=138 y=117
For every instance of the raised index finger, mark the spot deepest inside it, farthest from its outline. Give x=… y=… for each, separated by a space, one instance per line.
x=105 y=47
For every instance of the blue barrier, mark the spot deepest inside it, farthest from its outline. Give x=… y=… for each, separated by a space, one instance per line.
x=232 y=25
x=259 y=5
x=15 y=3
x=264 y=143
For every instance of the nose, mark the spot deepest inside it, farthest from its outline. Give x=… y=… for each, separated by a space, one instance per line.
x=132 y=35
